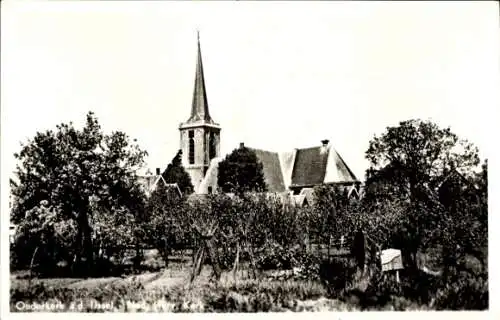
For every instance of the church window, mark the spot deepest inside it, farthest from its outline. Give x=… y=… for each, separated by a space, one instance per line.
x=191 y=147
x=212 y=146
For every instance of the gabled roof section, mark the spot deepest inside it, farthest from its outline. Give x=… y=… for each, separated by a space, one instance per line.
x=309 y=194
x=456 y=176
x=317 y=165
x=148 y=182
x=287 y=159
x=151 y=182
x=273 y=175
x=210 y=179
x=199 y=106
x=300 y=200
x=337 y=170
x=310 y=166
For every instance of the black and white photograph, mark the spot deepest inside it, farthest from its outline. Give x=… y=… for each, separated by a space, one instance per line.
x=247 y=157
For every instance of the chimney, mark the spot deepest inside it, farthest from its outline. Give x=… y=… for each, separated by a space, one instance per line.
x=324 y=147
x=242 y=145
x=158 y=172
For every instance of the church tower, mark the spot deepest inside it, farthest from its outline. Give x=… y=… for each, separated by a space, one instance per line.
x=200 y=135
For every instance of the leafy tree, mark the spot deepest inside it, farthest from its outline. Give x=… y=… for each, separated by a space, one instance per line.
x=71 y=175
x=408 y=162
x=175 y=173
x=417 y=152
x=165 y=226
x=241 y=171
x=482 y=179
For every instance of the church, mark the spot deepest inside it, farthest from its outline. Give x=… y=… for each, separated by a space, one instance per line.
x=294 y=172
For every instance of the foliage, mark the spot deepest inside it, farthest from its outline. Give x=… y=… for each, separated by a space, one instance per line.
x=466 y=292
x=68 y=180
x=241 y=171
x=273 y=256
x=175 y=173
x=416 y=152
x=408 y=162
x=333 y=213
x=165 y=227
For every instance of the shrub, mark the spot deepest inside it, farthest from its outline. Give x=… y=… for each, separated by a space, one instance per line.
x=337 y=274
x=273 y=256
x=464 y=291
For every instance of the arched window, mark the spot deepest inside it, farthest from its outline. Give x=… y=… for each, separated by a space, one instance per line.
x=212 y=153
x=191 y=147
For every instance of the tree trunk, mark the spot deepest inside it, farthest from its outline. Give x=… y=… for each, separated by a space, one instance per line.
x=137 y=259
x=252 y=260
x=236 y=261
x=165 y=252
x=76 y=264
x=87 y=244
x=214 y=257
x=31 y=265
x=198 y=263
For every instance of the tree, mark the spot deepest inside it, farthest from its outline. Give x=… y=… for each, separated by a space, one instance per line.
x=241 y=171
x=165 y=227
x=175 y=173
x=79 y=176
x=410 y=160
x=417 y=152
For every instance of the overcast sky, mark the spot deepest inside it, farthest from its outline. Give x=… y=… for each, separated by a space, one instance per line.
x=278 y=75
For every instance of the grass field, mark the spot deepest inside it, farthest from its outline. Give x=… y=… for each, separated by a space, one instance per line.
x=169 y=290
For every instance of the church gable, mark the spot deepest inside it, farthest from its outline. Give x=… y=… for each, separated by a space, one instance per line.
x=337 y=170
x=287 y=159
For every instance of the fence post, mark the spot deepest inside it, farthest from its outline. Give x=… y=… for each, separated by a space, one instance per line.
x=358 y=250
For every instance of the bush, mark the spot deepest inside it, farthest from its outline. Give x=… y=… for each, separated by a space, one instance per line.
x=337 y=274
x=273 y=256
x=465 y=291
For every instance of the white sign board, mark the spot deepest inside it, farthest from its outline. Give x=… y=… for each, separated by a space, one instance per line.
x=391 y=259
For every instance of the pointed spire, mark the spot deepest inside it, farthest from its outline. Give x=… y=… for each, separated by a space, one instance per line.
x=199 y=107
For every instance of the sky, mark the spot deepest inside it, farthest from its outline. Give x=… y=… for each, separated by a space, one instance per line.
x=278 y=75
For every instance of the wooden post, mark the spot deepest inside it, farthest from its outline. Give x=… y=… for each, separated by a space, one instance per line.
x=31 y=265
x=359 y=250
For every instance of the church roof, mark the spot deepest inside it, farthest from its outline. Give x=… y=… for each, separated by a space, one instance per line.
x=319 y=165
x=199 y=106
x=310 y=166
x=306 y=167
x=273 y=175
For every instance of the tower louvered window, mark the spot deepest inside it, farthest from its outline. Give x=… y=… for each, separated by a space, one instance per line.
x=191 y=147
x=212 y=146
